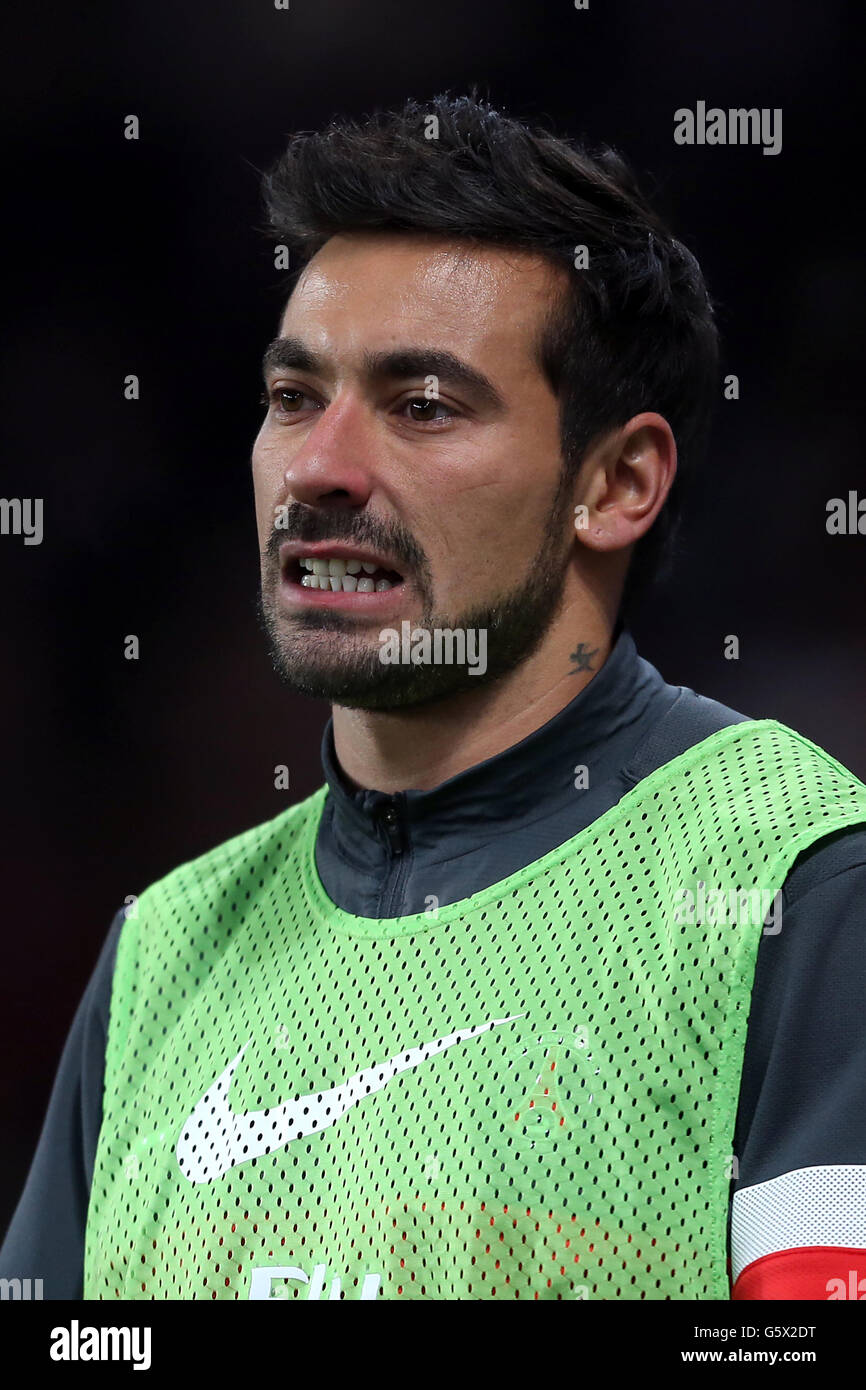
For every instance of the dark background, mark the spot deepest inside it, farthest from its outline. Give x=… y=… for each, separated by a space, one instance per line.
x=147 y=257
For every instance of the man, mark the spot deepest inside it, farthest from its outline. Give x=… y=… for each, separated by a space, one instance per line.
x=470 y=1021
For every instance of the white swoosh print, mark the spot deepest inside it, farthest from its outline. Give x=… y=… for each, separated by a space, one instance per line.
x=215 y=1139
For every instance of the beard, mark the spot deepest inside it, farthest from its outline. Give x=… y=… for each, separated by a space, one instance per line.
x=323 y=655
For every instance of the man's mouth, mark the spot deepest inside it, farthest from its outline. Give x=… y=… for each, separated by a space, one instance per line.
x=336 y=570
x=350 y=576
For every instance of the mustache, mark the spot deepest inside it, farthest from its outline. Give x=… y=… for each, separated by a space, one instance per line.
x=300 y=523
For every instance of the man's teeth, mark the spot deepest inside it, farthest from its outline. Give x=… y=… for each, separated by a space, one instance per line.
x=340 y=576
x=338 y=567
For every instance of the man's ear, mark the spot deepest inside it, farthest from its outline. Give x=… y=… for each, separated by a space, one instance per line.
x=623 y=482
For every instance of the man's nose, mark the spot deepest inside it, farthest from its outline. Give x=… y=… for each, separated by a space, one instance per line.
x=335 y=461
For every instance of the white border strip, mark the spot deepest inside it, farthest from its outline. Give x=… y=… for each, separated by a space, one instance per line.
x=824 y=1205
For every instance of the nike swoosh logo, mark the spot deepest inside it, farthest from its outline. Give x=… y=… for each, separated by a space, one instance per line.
x=214 y=1139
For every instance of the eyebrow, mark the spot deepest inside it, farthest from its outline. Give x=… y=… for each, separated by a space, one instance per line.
x=291 y=354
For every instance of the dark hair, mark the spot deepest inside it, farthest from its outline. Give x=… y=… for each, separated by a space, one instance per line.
x=635 y=329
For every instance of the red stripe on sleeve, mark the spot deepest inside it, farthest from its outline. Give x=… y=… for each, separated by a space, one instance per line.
x=825 y=1272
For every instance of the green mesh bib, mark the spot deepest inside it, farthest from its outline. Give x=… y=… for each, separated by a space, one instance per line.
x=530 y=1093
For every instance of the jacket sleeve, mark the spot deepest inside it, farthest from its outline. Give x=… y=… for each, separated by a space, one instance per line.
x=798 y=1219
x=45 y=1239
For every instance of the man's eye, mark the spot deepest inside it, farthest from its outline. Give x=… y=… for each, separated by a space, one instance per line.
x=287 y=399
x=423 y=409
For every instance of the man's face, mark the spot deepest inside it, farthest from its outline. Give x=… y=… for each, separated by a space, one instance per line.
x=410 y=429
